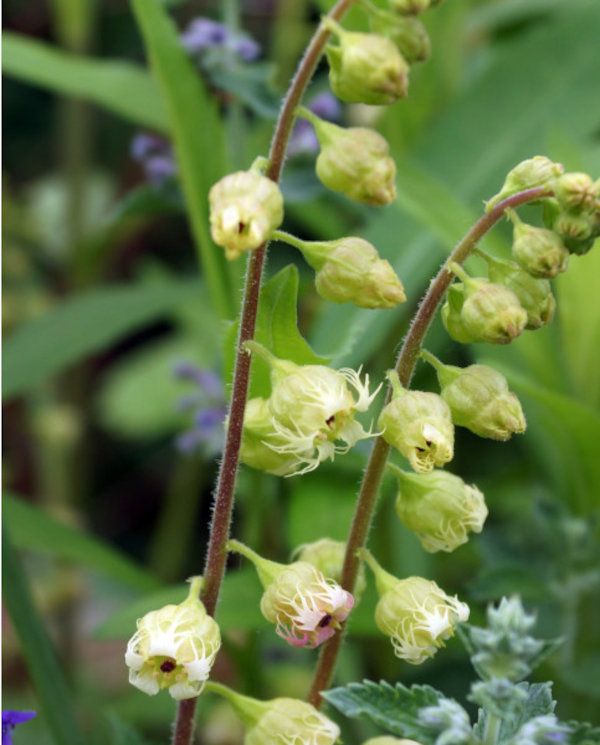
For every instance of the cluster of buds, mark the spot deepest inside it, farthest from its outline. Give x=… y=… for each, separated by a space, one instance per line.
x=311 y=408
x=415 y=613
x=419 y=425
x=349 y=270
x=306 y=607
x=174 y=648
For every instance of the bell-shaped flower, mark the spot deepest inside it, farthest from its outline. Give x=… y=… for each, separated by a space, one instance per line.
x=174 y=648
x=306 y=607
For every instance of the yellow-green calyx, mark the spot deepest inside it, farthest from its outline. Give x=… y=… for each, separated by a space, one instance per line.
x=365 y=68
x=327 y=556
x=479 y=399
x=534 y=172
x=539 y=251
x=354 y=161
x=439 y=508
x=419 y=425
x=407 y=33
x=260 y=440
x=245 y=208
x=280 y=720
x=415 y=613
x=174 y=648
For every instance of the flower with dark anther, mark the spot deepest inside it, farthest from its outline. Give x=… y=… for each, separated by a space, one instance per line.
x=312 y=409
x=528 y=174
x=479 y=399
x=365 y=68
x=174 y=648
x=280 y=721
x=245 y=208
x=485 y=311
x=155 y=155
x=303 y=138
x=327 y=556
x=349 y=270
x=306 y=607
x=354 y=161
x=539 y=251
x=415 y=613
x=10 y=719
x=535 y=295
x=439 y=508
x=419 y=425
x=208 y=406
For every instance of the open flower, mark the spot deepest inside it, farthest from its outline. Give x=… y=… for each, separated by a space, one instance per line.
x=174 y=648
x=306 y=607
x=10 y=719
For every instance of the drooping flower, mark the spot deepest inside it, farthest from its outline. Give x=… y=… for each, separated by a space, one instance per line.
x=174 y=648
x=306 y=607
x=10 y=719
x=327 y=556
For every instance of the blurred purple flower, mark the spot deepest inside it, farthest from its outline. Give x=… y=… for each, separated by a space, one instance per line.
x=209 y=409
x=304 y=139
x=203 y=35
x=10 y=719
x=155 y=156
x=246 y=48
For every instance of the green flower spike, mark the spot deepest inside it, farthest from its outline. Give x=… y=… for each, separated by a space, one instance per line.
x=280 y=721
x=419 y=425
x=439 y=508
x=174 y=648
x=415 y=613
x=479 y=399
x=539 y=251
x=365 y=68
x=528 y=174
x=354 y=161
x=535 y=295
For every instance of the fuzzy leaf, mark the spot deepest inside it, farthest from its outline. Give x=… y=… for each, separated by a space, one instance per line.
x=536 y=702
x=584 y=733
x=393 y=708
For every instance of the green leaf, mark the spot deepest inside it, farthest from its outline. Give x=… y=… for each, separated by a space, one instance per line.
x=536 y=701
x=583 y=733
x=56 y=701
x=238 y=606
x=197 y=137
x=82 y=325
x=276 y=329
x=33 y=530
x=393 y=708
x=123 y=88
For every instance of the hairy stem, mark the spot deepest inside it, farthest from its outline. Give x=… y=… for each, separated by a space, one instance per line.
x=214 y=568
x=405 y=365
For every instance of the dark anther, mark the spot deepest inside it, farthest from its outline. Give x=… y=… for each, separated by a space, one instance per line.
x=325 y=621
x=168 y=666
x=330 y=421
x=241 y=227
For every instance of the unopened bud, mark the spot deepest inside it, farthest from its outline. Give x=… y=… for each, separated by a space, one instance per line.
x=479 y=399
x=490 y=312
x=354 y=161
x=306 y=607
x=408 y=34
x=535 y=295
x=174 y=648
x=365 y=68
x=245 y=208
x=533 y=172
x=415 y=613
x=576 y=191
x=349 y=270
x=452 y=315
x=327 y=556
x=539 y=251
x=419 y=425
x=259 y=437
x=439 y=508
x=575 y=230
x=413 y=7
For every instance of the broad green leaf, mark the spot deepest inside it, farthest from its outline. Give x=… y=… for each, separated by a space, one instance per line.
x=238 y=606
x=197 y=137
x=276 y=329
x=33 y=530
x=394 y=708
x=123 y=88
x=82 y=325
x=56 y=701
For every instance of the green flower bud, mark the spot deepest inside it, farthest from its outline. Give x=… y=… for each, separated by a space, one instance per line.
x=259 y=436
x=419 y=425
x=311 y=408
x=245 y=208
x=327 y=556
x=408 y=34
x=479 y=399
x=412 y=7
x=452 y=315
x=530 y=173
x=355 y=162
x=576 y=191
x=490 y=312
x=439 y=508
x=349 y=270
x=539 y=251
x=174 y=648
x=415 y=613
x=280 y=720
x=365 y=68
x=535 y=295
x=575 y=230
x=306 y=607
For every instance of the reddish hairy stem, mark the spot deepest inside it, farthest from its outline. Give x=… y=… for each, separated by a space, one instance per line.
x=405 y=365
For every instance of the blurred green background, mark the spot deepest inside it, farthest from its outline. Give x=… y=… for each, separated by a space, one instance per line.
x=110 y=280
